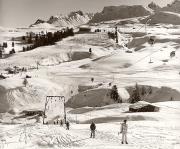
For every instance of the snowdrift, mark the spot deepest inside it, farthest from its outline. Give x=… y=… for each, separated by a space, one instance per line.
x=14 y=95
x=163 y=17
x=91 y=98
x=119 y=12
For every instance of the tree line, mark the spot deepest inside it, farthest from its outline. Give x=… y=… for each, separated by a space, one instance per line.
x=45 y=39
x=138 y=93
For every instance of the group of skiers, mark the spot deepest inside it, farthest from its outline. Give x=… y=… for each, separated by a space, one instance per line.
x=61 y=123
x=123 y=131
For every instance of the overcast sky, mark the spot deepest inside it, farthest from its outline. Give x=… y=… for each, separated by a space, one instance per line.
x=22 y=13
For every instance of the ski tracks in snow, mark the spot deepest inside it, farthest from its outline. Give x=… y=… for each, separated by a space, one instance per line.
x=141 y=135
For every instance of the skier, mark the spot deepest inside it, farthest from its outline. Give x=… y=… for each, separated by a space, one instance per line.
x=67 y=125
x=124 y=128
x=61 y=123
x=57 y=121
x=93 y=128
x=90 y=50
x=25 y=82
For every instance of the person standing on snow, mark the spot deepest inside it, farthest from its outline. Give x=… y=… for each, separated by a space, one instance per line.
x=67 y=125
x=61 y=123
x=124 y=128
x=93 y=128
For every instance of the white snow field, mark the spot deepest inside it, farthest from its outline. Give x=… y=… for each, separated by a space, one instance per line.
x=66 y=69
x=146 y=130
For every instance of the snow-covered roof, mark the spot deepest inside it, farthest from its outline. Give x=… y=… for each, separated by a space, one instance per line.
x=140 y=104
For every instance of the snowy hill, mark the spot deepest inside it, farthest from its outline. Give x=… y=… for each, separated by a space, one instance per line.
x=72 y=20
x=119 y=12
x=145 y=130
x=67 y=68
x=174 y=7
x=164 y=17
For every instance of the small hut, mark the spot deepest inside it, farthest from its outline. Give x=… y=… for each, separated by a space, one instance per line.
x=143 y=106
x=84 y=29
x=32 y=112
x=2 y=76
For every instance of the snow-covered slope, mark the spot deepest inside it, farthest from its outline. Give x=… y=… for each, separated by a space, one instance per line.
x=68 y=50
x=16 y=95
x=72 y=20
x=145 y=130
x=119 y=12
x=164 y=17
x=59 y=74
x=173 y=7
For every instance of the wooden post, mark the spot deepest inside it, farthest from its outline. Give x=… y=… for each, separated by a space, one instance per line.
x=116 y=33
x=45 y=109
x=64 y=111
x=146 y=25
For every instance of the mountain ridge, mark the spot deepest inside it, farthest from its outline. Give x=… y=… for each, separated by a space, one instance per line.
x=119 y=12
x=73 y=19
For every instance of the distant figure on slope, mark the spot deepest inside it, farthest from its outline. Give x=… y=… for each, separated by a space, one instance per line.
x=67 y=125
x=25 y=82
x=124 y=128
x=93 y=128
x=61 y=123
x=90 y=50
x=57 y=121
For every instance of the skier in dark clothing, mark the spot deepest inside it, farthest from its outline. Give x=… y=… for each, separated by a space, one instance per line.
x=93 y=128
x=90 y=50
x=61 y=123
x=67 y=125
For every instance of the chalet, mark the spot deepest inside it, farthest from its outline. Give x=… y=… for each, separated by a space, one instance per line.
x=84 y=29
x=2 y=76
x=143 y=106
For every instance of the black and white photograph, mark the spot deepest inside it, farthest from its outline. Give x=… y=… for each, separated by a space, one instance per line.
x=89 y=74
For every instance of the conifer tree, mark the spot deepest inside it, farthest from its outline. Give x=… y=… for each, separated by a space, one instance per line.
x=143 y=91
x=135 y=96
x=114 y=94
